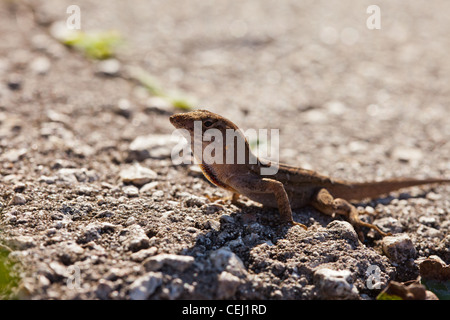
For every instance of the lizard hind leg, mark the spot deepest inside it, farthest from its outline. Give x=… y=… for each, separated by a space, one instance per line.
x=325 y=203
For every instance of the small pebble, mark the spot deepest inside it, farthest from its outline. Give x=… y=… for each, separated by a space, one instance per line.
x=137 y=175
x=109 y=67
x=177 y=262
x=228 y=285
x=334 y=284
x=18 y=199
x=144 y=286
x=40 y=65
x=131 y=191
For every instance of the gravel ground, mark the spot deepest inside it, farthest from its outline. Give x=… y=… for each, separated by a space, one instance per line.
x=93 y=208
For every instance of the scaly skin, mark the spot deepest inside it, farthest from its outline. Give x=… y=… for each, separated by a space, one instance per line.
x=290 y=187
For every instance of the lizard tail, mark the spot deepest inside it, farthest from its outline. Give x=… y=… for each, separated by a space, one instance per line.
x=363 y=190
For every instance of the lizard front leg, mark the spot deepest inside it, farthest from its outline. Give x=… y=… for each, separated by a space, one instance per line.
x=325 y=203
x=245 y=185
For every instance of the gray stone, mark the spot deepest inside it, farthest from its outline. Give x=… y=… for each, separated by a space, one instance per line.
x=398 y=248
x=21 y=242
x=225 y=260
x=135 y=238
x=195 y=201
x=175 y=289
x=177 y=262
x=104 y=288
x=141 y=255
x=47 y=179
x=73 y=175
x=389 y=224
x=18 y=199
x=343 y=229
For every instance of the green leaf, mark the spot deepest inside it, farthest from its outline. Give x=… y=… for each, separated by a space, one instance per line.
x=9 y=278
x=178 y=100
x=181 y=103
x=95 y=45
x=387 y=296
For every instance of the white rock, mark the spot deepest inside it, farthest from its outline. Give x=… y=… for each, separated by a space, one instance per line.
x=131 y=191
x=148 y=187
x=137 y=175
x=40 y=65
x=333 y=284
x=158 y=194
x=227 y=286
x=428 y=220
x=109 y=67
x=13 y=155
x=407 y=154
x=159 y=104
x=336 y=107
x=315 y=116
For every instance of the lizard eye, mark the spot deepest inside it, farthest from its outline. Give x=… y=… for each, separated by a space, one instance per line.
x=208 y=123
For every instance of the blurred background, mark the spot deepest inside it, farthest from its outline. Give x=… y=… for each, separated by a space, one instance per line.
x=313 y=69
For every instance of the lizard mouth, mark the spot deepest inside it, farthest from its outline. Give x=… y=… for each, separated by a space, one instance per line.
x=181 y=121
x=175 y=121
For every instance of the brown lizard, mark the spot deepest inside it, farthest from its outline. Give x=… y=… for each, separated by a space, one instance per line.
x=290 y=187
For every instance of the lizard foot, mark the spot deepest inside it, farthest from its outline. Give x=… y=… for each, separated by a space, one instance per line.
x=325 y=203
x=222 y=200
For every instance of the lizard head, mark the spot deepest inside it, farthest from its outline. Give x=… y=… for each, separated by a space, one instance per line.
x=207 y=123
x=207 y=120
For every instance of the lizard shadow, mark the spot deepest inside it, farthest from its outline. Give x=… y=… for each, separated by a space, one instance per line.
x=225 y=245
x=229 y=235
x=389 y=198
